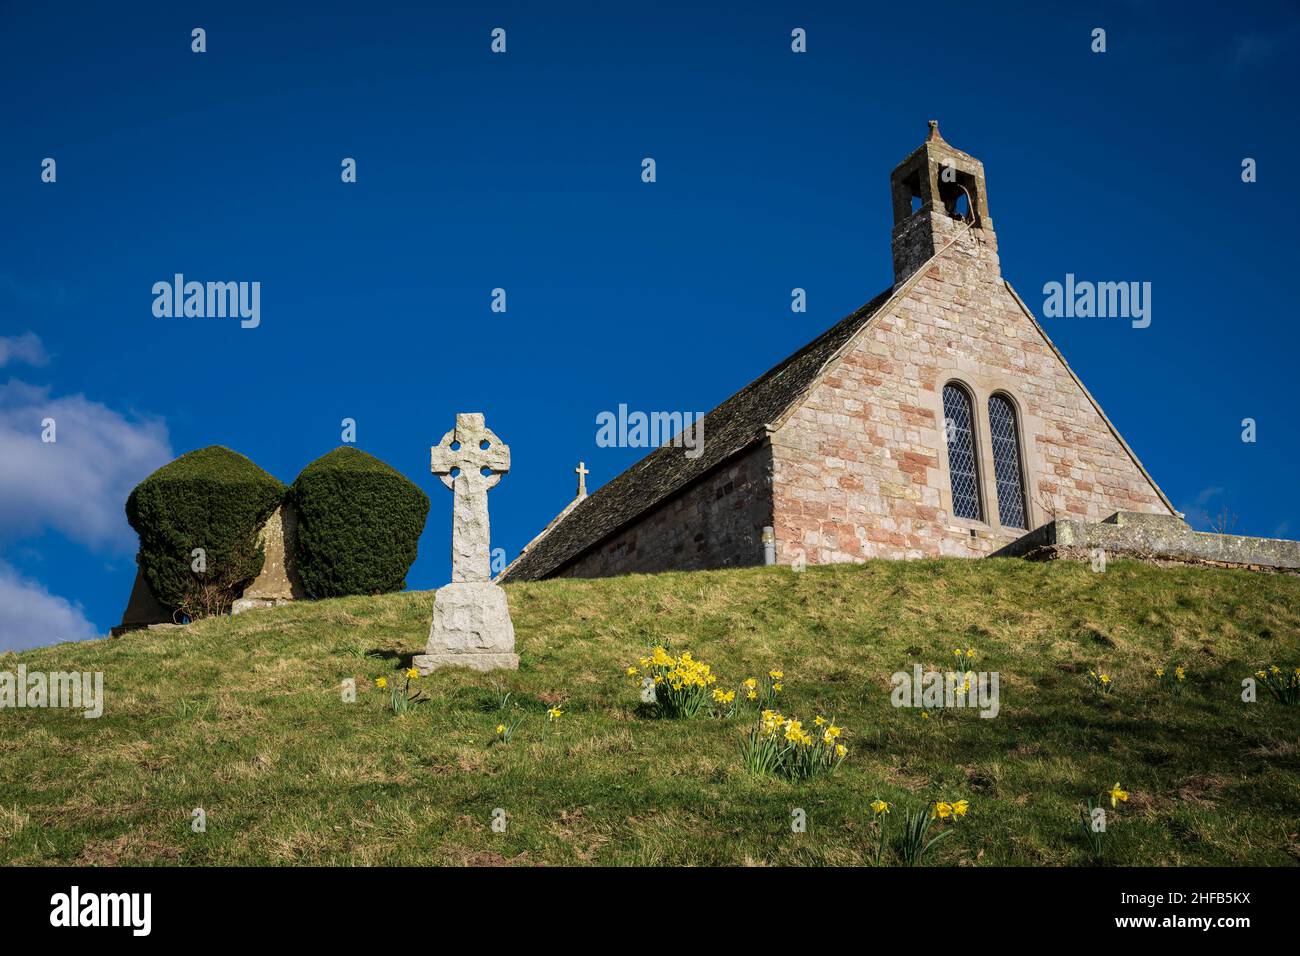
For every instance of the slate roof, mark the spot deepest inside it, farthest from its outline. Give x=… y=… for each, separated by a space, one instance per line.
x=729 y=429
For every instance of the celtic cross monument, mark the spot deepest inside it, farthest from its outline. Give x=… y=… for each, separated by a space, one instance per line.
x=471 y=620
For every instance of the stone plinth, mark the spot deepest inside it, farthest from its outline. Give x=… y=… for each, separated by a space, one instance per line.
x=471 y=628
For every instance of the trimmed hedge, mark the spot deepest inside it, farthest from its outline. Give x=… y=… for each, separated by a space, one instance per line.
x=214 y=499
x=359 y=524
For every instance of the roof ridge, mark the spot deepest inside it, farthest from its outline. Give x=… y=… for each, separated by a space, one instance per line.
x=739 y=421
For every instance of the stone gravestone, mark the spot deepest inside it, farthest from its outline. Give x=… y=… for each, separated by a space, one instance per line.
x=471 y=619
x=278 y=581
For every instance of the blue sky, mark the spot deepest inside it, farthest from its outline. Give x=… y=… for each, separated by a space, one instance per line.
x=522 y=171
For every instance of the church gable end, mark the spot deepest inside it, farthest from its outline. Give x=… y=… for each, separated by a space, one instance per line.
x=936 y=420
x=872 y=463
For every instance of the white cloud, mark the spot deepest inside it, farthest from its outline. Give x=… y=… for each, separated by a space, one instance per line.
x=22 y=348
x=30 y=616
x=79 y=483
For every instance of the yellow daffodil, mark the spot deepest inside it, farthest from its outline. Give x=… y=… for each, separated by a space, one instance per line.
x=819 y=721
x=777 y=687
x=381 y=682
x=1160 y=672
x=751 y=683
x=776 y=675
x=412 y=673
x=1117 y=795
x=841 y=751
x=1180 y=674
x=752 y=695
x=632 y=672
x=943 y=810
x=501 y=728
x=554 y=713
x=960 y=807
x=879 y=806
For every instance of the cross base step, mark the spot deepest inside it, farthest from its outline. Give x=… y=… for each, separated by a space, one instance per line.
x=471 y=628
x=426 y=664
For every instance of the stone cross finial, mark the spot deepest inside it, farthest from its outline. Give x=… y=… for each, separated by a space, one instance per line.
x=582 y=474
x=470 y=459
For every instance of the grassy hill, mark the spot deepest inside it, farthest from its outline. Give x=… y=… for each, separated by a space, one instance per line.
x=243 y=717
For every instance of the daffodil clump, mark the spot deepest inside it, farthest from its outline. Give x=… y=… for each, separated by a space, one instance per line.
x=1283 y=685
x=683 y=686
x=780 y=745
x=1101 y=682
x=404 y=700
x=1173 y=678
x=915 y=840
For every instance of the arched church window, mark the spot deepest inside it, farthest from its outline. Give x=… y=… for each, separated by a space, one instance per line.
x=1006 y=462
x=962 y=467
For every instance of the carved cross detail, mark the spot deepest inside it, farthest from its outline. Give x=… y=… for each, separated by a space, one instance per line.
x=470 y=459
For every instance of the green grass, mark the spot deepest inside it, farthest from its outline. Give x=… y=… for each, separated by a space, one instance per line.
x=243 y=717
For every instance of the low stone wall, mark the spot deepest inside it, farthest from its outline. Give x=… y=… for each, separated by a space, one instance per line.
x=1160 y=539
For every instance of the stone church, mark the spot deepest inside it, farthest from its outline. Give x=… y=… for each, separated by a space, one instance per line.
x=936 y=420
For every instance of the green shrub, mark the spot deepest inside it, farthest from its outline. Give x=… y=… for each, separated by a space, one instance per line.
x=213 y=499
x=359 y=524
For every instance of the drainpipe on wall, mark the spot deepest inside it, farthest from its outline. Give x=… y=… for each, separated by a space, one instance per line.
x=769 y=545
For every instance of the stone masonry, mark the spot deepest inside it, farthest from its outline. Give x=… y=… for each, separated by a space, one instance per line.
x=1159 y=539
x=717 y=523
x=278 y=581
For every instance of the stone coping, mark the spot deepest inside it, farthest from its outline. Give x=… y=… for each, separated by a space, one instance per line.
x=1156 y=538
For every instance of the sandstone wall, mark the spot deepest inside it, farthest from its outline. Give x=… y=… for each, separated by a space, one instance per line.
x=717 y=522
x=861 y=468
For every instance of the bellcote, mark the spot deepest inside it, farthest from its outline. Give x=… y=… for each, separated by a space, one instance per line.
x=939 y=196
